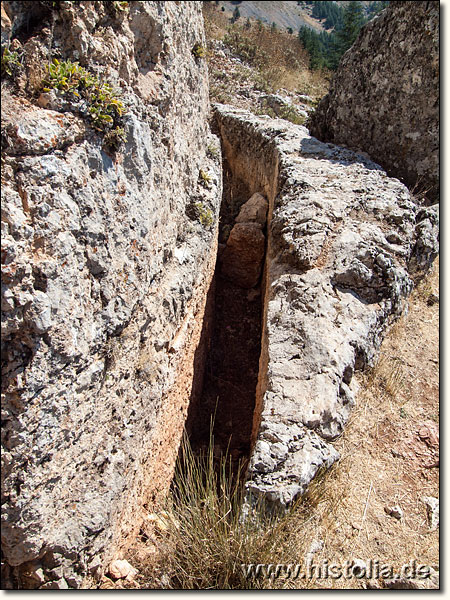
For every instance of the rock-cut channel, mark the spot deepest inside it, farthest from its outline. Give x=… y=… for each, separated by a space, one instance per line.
x=223 y=402
x=301 y=298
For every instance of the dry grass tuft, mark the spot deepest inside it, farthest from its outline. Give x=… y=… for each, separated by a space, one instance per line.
x=389 y=374
x=206 y=537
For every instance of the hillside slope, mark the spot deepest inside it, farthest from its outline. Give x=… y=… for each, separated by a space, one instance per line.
x=284 y=14
x=249 y=63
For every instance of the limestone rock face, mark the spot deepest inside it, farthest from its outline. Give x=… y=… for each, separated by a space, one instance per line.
x=384 y=98
x=342 y=236
x=105 y=271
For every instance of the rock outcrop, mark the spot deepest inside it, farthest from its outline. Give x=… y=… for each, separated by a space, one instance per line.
x=109 y=246
x=384 y=98
x=107 y=258
x=243 y=256
x=341 y=237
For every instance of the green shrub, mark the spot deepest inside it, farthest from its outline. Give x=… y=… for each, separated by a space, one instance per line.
x=67 y=77
x=220 y=93
x=241 y=45
x=288 y=113
x=104 y=109
x=10 y=62
x=105 y=106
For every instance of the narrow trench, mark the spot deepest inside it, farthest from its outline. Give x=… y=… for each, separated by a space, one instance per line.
x=224 y=391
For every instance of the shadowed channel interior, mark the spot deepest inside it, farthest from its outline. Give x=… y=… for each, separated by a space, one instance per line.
x=223 y=403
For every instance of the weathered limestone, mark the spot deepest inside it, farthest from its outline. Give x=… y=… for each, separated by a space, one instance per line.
x=384 y=98
x=243 y=256
x=105 y=271
x=432 y=505
x=254 y=210
x=341 y=236
x=107 y=261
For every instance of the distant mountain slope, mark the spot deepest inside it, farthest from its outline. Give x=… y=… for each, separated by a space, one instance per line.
x=290 y=14
x=283 y=14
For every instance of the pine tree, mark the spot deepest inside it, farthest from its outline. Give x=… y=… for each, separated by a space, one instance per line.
x=236 y=15
x=375 y=7
x=316 y=60
x=316 y=46
x=352 y=21
x=334 y=54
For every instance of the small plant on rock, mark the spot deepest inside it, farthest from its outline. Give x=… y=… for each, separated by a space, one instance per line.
x=10 y=62
x=103 y=107
x=205 y=178
x=114 y=139
x=213 y=151
x=117 y=9
x=199 y=51
x=121 y=6
x=67 y=76
x=204 y=214
x=52 y=5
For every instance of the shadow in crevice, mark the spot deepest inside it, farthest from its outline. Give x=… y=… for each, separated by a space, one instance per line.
x=227 y=359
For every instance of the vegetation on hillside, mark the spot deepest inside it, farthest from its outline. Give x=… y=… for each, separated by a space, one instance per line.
x=327 y=47
x=330 y=11
x=341 y=23
x=276 y=59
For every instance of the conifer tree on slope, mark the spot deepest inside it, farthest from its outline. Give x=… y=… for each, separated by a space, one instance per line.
x=352 y=21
